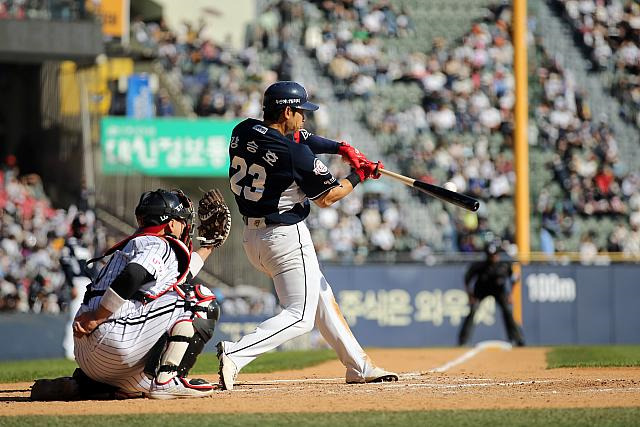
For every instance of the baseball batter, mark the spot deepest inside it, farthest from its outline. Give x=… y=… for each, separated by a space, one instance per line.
x=141 y=326
x=273 y=178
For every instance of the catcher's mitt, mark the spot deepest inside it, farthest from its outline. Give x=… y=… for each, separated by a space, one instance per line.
x=215 y=219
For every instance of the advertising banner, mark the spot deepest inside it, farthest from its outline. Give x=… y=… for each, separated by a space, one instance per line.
x=165 y=147
x=115 y=17
x=580 y=304
x=139 y=97
x=421 y=306
x=409 y=306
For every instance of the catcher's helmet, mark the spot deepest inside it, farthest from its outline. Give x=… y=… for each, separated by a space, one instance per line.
x=281 y=94
x=160 y=206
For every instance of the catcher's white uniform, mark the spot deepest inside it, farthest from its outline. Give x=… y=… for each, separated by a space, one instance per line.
x=116 y=351
x=141 y=326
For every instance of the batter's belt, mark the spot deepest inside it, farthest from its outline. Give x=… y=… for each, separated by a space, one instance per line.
x=254 y=223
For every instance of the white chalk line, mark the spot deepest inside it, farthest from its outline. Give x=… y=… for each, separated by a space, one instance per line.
x=447 y=388
x=481 y=346
x=408 y=375
x=598 y=390
x=404 y=385
x=444 y=388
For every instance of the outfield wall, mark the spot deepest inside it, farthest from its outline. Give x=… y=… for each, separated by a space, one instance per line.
x=418 y=306
x=397 y=306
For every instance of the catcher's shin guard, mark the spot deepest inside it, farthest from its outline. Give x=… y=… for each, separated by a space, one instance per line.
x=176 y=352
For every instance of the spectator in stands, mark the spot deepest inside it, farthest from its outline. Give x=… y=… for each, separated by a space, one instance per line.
x=609 y=32
x=164 y=107
x=31 y=238
x=588 y=248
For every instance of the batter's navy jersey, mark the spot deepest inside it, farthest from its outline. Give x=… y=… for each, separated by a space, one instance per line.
x=272 y=176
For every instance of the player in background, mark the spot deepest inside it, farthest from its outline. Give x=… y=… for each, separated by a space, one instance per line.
x=490 y=277
x=78 y=275
x=273 y=178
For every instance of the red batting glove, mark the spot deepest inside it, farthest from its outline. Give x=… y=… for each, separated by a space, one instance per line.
x=371 y=169
x=349 y=154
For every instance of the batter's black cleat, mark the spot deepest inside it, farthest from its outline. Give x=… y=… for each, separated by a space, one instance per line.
x=227 y=369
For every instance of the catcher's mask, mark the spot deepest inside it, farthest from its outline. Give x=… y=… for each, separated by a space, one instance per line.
x=160 y=206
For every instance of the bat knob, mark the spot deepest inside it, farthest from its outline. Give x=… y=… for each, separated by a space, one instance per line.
x=376 y=170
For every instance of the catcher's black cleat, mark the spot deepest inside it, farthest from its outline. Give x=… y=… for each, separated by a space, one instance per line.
x=64 y=388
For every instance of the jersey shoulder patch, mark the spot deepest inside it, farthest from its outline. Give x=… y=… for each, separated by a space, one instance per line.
x=260 y=128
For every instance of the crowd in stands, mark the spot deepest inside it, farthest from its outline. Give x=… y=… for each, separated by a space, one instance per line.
x=366 y=226
x=217 y=79
x=246 y=300
x=585 y=162
x=609 y=33
x=32 y=234
x=455 y=122
x=460 y=128
x=458 y=131
x=223 y=82
x=452 y=121
x=66 y=10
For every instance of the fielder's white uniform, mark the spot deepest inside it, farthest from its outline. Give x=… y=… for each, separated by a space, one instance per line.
x=74 y=255
x=114 y=353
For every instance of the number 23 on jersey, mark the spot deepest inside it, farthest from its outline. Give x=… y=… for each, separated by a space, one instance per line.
x=256 y=189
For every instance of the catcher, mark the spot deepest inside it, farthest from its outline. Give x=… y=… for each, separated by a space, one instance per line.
x=142 y=324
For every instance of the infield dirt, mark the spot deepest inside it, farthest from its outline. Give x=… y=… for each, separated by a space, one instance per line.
x=492 y=379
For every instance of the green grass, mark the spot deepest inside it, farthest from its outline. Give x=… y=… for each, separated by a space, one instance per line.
x=594 y=356
x=524 y=417
x=28 y=370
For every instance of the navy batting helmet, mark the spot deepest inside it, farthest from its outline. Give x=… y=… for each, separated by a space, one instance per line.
x=160 y=206
x=286 y=93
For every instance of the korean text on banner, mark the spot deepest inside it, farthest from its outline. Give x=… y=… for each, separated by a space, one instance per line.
x=165 y=147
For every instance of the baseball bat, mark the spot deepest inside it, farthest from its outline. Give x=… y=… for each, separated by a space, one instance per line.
x=457 y=199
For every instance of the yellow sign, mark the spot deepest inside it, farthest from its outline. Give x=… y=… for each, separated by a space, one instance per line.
x=97 y=79
x=114 y=14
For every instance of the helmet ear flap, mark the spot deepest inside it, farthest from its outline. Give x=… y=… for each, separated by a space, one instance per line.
x=190 y=217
